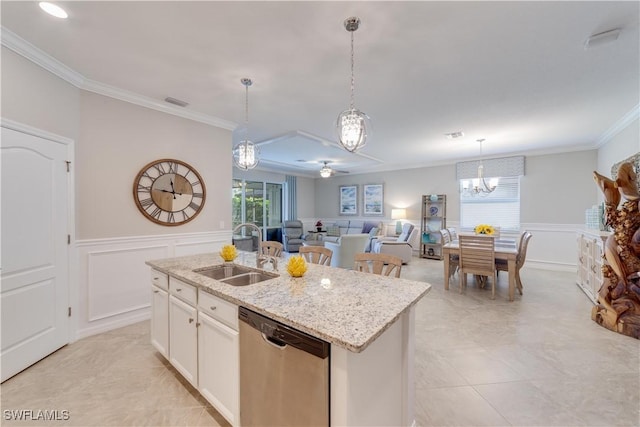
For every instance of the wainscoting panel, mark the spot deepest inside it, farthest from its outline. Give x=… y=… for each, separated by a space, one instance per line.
x=114 y=281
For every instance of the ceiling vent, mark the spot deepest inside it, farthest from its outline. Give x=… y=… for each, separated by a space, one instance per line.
x=175 y=101
x=454 y=135
x=602 y=38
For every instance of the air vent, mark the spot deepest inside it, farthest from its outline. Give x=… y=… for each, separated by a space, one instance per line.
x=454 y=135
x=177 y=102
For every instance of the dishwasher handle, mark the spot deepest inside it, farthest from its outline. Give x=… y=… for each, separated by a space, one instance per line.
x=274 y=342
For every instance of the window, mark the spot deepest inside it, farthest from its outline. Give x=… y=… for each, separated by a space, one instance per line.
x=500 y=208
x=258 y=203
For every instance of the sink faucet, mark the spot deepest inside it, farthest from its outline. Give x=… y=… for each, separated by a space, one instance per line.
x=260 y=259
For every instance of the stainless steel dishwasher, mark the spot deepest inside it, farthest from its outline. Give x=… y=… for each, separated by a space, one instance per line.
x=284 y=374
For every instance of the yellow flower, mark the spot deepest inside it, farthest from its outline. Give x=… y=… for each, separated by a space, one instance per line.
x=297 y=266
x=228 y=252
x=484 y=229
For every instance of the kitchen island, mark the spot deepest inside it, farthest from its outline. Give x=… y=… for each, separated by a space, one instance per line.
x=367 y=319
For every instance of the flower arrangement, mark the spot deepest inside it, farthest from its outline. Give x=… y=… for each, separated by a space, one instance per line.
x=484 y=229
x=297 y=266
x=319 y=225
x=228 y=253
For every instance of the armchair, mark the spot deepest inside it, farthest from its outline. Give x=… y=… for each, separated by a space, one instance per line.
x=402 y=246
x=346 y=248
x=292 y=237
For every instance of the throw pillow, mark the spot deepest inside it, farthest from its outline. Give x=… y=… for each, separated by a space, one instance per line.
x=333 y=231
x=368 y=226
x=373 y=232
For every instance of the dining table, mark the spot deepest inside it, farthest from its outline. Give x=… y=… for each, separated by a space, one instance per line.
x=505 y=249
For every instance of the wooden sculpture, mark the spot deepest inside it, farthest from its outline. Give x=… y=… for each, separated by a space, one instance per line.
x=618 y=307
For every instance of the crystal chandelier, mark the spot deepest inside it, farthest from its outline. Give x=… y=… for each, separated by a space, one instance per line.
x=352 y=124
x=479 y=185
x=325 y=172
x=245 y=153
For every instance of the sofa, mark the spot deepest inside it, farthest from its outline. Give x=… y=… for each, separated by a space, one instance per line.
x=345 y=249
x=341 y=227
x=401 y=246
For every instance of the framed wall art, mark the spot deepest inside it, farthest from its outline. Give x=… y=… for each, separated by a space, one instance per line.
x=373 y=199
x=348 y=200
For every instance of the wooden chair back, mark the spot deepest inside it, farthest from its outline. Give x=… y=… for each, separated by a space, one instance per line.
x=477 y=256
x=383 y=264
x=316 y=254
x=522 y=249
x=446 y=236
x=270 y=247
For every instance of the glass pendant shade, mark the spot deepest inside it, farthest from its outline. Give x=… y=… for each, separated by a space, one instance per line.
x=352 y=128
x=245 y=155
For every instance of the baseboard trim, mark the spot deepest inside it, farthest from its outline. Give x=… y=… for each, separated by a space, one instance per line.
x=115 y=324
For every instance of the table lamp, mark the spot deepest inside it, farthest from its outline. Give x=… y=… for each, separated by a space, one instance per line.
x=398 y=214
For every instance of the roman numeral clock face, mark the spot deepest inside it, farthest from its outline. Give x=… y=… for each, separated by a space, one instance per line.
x=169 y=192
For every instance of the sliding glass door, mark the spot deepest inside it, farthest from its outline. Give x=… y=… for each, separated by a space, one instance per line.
x=259 y=203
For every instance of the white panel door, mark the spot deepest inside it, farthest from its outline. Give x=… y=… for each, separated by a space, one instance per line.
x=34 y=294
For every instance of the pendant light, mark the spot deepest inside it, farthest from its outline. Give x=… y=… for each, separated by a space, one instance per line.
x=352 y=124
x=479 y=184
x=245 y=153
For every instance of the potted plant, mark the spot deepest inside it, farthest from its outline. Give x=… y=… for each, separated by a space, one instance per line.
x=319 y=225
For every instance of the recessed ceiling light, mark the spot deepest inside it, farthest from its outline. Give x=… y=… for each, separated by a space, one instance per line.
x=454 y=135
x=53 y=9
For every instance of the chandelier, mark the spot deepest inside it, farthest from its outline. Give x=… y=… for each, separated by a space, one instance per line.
x=245 y=153
x=479 y=185
x=326 y=171
x=352 y=124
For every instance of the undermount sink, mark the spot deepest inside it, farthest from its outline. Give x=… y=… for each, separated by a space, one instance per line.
x=236 y=275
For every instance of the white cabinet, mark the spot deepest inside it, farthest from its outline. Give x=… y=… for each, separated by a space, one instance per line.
x=160 y=312
x=183 y=332
x=218 y=355
x=590 y=252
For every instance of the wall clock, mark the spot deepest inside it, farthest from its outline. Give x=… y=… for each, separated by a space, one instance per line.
x=169 y=192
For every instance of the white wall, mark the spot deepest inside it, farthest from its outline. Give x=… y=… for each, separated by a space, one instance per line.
x=624 y=144
x=554 y=194
x=109 y=282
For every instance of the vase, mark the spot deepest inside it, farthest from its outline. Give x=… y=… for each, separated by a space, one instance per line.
x=318 y=229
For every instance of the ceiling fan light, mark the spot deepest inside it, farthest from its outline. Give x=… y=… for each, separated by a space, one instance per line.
x=325 y=172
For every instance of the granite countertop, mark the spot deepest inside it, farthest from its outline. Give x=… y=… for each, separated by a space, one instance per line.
x=342 y=307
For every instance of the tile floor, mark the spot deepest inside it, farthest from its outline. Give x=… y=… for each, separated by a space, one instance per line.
x=538 y=361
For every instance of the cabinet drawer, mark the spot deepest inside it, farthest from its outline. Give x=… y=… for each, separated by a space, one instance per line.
x=184 y=291
x=224 y=311
x=160 y=280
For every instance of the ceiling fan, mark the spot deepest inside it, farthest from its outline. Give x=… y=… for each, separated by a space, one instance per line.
x=326 y=171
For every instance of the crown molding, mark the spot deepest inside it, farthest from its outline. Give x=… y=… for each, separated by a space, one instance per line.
x=23 y=48
x=618 y=126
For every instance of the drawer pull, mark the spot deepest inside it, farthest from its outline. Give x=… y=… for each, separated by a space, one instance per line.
x=156 y=291
x=190 y=320
x=197 y=324
x=179 y=290
x=213 y=307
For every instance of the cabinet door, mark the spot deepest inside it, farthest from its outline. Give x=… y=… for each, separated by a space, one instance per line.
x=160 y=320
x=218 y=361
x=183 y=339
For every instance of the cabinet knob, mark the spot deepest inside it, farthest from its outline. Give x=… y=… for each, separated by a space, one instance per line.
x=197 y=324
x=156 y=291
x=190 y=320
x=179 y=290
x=213 y=307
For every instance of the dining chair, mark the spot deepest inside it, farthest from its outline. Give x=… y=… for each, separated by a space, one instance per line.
x=383 y=264
x=270 y=247
x=316 y=254
x=477 y=256
x=501 y=265
x=454 y=259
